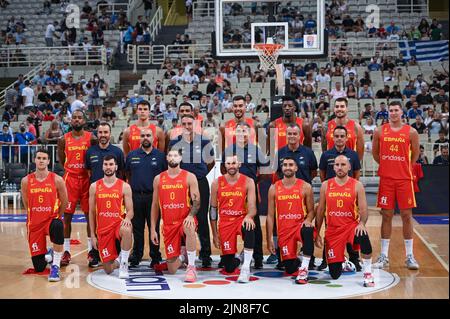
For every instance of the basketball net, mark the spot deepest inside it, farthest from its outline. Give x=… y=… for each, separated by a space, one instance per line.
x=268 y=55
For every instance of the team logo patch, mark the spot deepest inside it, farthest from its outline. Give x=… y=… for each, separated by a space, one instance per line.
x=268 y=283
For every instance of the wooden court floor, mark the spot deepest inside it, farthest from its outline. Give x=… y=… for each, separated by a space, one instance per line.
x=431 y=247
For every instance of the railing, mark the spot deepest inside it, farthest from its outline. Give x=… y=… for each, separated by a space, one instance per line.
x=32 y=56
x=414 y=8
x=132 y=5
x=113 y=8
x=25 y=154
x=203 y=9
x=171 y=14
x=155 y=24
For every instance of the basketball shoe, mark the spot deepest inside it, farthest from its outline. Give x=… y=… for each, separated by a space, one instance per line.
x=348 y=266
x=381 y=262
x=244 y=276
x=54 y=274
x=191 y=274
x=94 y=258
x=272 y=259
x=411 y=263
x=302 y=276
x=369 y=280
x=66 y=258
x=123 y=271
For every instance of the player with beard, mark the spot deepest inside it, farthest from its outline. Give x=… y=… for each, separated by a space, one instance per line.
x=228 y=131
x=132 y=135
x=111 y=224
x=291 y=206
x=72 y=149
x=355 y=133
x=343 y=204
x=233 y=197
x=44 y=198
x=177 y=195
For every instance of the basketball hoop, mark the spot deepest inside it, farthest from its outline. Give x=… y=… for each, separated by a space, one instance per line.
x=268 y=55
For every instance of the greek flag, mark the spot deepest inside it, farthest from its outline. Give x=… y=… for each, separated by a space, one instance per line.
x=424 y=51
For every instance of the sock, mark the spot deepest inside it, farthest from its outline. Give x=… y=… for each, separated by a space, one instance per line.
x=191 y=258
x=67 y=244
x=124 y=254
x=305 y=262
x=247 y=258
x=367 y=265
x=385 y=246
x=57 y=258
x=409 y=247
x=89 y=244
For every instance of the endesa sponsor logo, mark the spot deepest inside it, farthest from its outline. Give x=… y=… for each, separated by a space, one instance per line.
x=76 y=165
x=290 y=216
x=230 y=212
x=340 y=214
x=394 y=158
x=109 y=214
x=174 y=206
x=41 y=209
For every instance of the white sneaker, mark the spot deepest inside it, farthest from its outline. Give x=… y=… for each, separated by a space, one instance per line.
x=348 y=266
x=369 y=280
x=244 y=277
x=411 y=263
x=302 y=277
x=381 y=262
x=123 y=271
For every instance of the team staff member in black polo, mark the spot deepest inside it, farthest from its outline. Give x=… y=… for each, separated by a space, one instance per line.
x=198 y=159
x=141 y=167
x=326 y=162
x=326 y=167
x=96 y=153
x=304 y=156
x=252 y=159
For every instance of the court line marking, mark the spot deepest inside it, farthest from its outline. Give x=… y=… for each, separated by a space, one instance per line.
x=79 y=253
x=429 y=246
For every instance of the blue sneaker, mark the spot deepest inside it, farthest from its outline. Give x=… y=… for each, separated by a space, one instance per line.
x=272 y=259
x=49 y=256
x=54 y=274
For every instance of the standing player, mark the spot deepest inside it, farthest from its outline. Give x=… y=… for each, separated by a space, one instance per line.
x=173 y=191
x=72 y=149
x=343 y=204
x=185 y=108
x=291 y=206
x=233 y=196
x=132 y=134
x=355 y=133
x=396 y=148
x=44 y=197
x=109 y=223
x=281 y=124
x=228 y=131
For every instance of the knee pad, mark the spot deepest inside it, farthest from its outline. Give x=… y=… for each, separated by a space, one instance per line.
x=307 y=235
x=57 y=232
x=364 y=242
x=39 y=263
x=249 y=238
x=291 y=265
x=335 y=270
x=230 y=263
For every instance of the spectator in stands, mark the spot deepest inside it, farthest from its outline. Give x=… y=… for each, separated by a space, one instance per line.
x=12 y=95
x=27 y=96
x=53 y=133
x=414 y=34
x=443 y=158
x=401 y=76
x=420 y=127
x=365 y=79
x=374 y=66
x=424 y=27
x=48 y=115
x=414 y=111
x=195 y=94
x=365 y=92
x=433 y=122
x=86 y=10
x=58 y=95
x=349 y=69
x=390 y=76
x=263 y=107
x=383 y=114
x=369 y=127
x=348 y=23
x=436 y=33
x=50 y=33
x=204 y=103
x=423 y=159
x=159 y=107
x=23 y=138
x=191 y=78
x=215 y=107
x=351 y=80
x=366 y=113
x=322 y=77
x=337 y=92
x=351 y=92
x=392 y=28
x=109 y=116
x=359 y=25
x=6 y=139
x=395 y=94
x=383 y=94
x=409 y=91
x=173 y=88
x=78 y=104
x=441 y=98
x=441 y=140
x=310 y=24
x=309 y=97
x=144 y=89
x=249 y=105
x=424 y=98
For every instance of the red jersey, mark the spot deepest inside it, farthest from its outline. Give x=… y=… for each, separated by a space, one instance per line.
x=230 y=131
x=75 y=151
x=134 y=139
x=43 y=202
x=232 y=199
x=395 y=153
x=109 y=205
x=351 y=134
x=281 y=141
x=290 y=206
x=174 y=200
x=341 y=207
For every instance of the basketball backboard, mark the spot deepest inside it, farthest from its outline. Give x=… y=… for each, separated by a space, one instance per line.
x=298 y=25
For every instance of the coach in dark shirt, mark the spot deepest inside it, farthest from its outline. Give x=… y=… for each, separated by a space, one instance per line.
x=252 y=159
x=96 y=153
x=326 y=165
x=141 y=167
x=198 y=158
x=304 y=156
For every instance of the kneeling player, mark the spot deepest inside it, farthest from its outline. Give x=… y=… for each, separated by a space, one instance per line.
x=108 y=220
x=173 y=191
x=291 y=202
x=343 y=201
x=234 y=195
x=44 y=197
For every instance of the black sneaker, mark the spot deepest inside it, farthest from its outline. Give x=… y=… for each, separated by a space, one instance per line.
x=220 y=265
x=206 y=262
x=323 y=265
x=258 y=264
x=154 y=262
x=279 y=266
x=357 y=264
x=134 y=262
x=311 y=263
x=94 y=258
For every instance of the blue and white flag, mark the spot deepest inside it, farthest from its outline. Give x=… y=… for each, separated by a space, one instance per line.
x=424 y=51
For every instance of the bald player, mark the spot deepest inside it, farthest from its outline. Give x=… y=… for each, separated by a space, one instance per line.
x=355 y=133
x=343 y=205
x=132 y=134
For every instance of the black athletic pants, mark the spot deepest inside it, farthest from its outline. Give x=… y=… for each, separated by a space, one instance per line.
x=202 y=218
x=142 y=205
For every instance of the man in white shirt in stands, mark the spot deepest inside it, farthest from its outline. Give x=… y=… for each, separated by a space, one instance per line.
x=65 y=72
x=322 y=77
x=337 y=92
x=191 y=78
x=50 y=33
x=28 y=96
x=78 y=104
x=179 y=78
x=159 y=106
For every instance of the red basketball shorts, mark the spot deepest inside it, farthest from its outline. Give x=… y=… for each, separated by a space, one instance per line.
x=229 y=229
x=107 y=243
x=396 y=190
x=336 y=239
x=37 y=240
x=173 y=234
x=77 y=190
